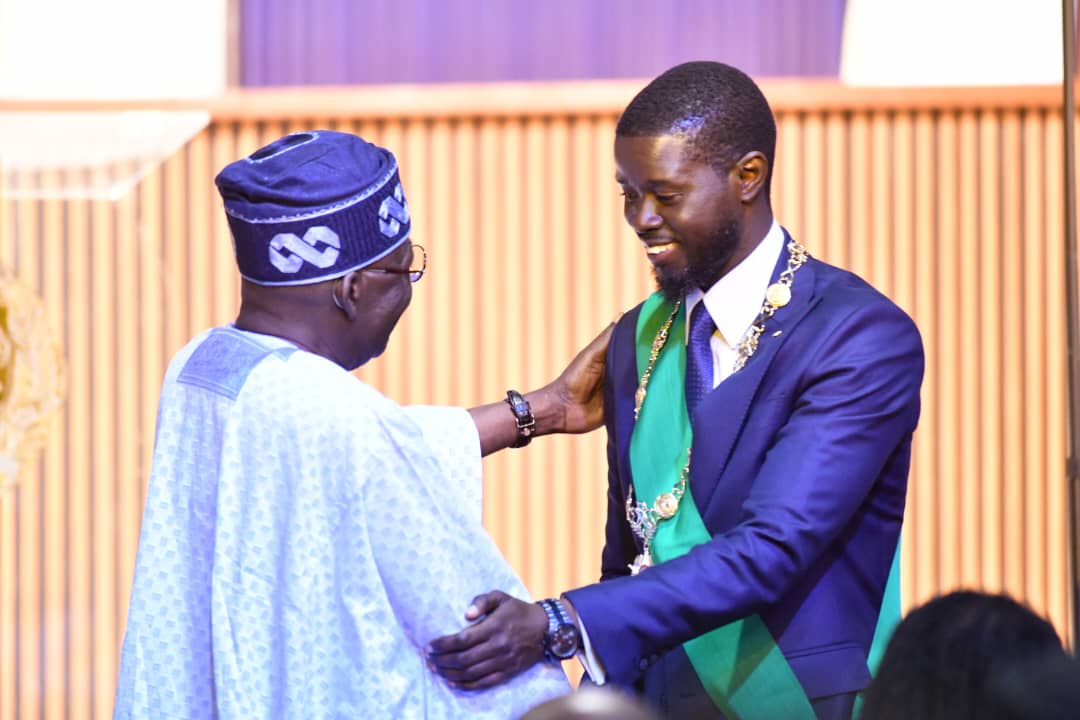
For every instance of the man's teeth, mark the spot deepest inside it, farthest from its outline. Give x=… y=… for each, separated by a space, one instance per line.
x=657 y=249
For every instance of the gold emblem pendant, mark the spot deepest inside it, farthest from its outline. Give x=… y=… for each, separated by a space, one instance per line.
x=666 y=505
x=778 y=295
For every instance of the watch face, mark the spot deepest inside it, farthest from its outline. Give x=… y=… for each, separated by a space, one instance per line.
x=564 y=641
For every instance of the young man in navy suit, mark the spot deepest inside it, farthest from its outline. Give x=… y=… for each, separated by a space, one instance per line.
x=760 y=408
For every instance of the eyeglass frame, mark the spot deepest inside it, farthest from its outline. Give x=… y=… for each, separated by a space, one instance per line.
x=414 y=275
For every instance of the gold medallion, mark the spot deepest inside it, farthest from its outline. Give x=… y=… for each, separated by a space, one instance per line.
x=666 y=505
x=778 y=295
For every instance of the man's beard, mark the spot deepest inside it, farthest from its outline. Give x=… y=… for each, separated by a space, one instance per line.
x=673 y=286
x=704 y=269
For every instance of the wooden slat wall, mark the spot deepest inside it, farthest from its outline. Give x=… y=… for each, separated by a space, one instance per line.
x=951 y=203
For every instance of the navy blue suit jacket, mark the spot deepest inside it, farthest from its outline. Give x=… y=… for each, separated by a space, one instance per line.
x=799 y=470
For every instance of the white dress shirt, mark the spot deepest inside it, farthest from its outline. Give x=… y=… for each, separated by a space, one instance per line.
x=734 y=301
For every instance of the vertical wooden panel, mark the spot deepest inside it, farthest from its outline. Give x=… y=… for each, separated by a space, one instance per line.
x=102 y=476
x=967 y=297
x=152 y=291
x=411 y=381
x=463 y=226
x=837 y=182
x=1010 y=298
x=29 y=496
x=8 y=530
x=1054 y=359
x=857 y=253
x=53 y=550
x=917 y=223
x=128 y=472
x=949 y=259
x=76 y=458
x=509 y=499
x=439 y=223
x=533 y=237
x=787 y=177
x=881 y=245
x=1032 y=333
x=488 y=185
x=814 y=229
x=175 y=270
x=557 y=247
x=919 y=537
x=987 y=261
x=899 y=249
x=954 y=212
x=10 y=676
x=225 y=283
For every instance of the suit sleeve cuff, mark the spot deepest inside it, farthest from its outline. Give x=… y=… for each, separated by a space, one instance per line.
x=589 y=661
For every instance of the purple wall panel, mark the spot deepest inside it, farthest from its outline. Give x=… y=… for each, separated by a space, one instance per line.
x=335 y=42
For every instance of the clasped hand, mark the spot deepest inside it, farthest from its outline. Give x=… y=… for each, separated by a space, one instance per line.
x=507 y=639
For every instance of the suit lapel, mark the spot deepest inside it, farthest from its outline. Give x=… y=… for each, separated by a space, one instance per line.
x=721 y=414
x=622 y=368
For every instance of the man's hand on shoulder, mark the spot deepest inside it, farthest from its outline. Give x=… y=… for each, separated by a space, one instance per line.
x=579 y=389
x=571 y=403
x=507 y=639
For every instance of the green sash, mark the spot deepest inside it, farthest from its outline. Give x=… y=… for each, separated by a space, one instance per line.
x=888 y=619
x=739 y=664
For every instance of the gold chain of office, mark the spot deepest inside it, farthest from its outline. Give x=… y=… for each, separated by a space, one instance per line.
x=645 y=519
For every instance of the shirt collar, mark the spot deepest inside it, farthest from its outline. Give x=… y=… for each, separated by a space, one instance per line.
x=735 y=299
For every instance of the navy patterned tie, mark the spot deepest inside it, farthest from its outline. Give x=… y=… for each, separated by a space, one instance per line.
x=699 y=359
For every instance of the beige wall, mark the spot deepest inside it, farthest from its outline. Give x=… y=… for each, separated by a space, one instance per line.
x=950 y=201
x=71 y=49
x=951 y=42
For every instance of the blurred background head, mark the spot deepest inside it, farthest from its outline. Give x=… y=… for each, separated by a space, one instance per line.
x=970 y=655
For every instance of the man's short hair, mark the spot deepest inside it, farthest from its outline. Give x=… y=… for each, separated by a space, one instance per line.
x=718 y=107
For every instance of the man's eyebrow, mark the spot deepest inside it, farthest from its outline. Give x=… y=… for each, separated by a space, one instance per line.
x=664 y=185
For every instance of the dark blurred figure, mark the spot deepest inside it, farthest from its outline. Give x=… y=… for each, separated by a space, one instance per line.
x=974 y=655
x=593 y=703
x=1048 y=689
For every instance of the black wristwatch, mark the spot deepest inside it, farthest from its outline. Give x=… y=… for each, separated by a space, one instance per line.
x=562 y=638
x=526 y=424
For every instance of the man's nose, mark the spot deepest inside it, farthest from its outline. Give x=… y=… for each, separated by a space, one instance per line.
x=644 y=217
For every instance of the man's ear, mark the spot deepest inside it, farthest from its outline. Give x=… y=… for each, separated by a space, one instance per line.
x=750 y=173
x=347 y=293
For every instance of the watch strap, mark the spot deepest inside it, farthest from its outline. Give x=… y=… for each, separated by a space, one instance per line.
x=552 y=615
x=523 y=417
x=560 y=612
x=553 y=624
x=558 y=619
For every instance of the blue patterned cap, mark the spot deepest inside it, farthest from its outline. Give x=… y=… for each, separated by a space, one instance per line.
x=313 y=206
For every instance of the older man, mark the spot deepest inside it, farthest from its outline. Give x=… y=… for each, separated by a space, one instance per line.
x=304 y=536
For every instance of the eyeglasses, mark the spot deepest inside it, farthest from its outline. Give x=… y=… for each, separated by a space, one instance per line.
x=414 y=273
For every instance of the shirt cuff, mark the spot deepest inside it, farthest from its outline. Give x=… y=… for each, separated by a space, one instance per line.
x=588 y=658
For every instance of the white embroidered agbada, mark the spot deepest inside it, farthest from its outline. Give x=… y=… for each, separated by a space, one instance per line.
x=304 y=537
